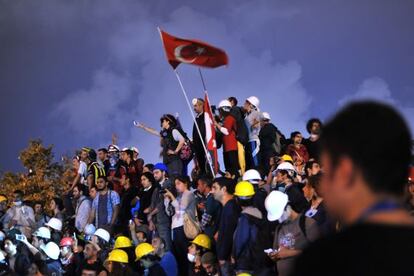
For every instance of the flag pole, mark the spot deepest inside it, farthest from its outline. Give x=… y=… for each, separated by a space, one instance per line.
x=195 y=122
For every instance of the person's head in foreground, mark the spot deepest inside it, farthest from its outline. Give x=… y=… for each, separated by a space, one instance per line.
x=366 y=151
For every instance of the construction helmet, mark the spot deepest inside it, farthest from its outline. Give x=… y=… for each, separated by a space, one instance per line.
x=122 y=242
x=142 y=250
x=42 y=232
x=275 y=204
x=287 y=158
x=3 y=198
x=90 y=229
x=244 y=189
x=286 y=166
x=252 y=176
x=51 y=249
x=202 y=240
x=253 y=101
x=113 y=148
x=103 y=234
x=118 y=255
x=66 y=241
x=265 y=116
x=225 y=104
x=55 y=224
x=134 y=149
x=244 y=274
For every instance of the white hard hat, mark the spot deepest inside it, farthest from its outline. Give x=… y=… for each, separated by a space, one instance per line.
x=265 y=116
x=287 y=166
x=42 y=232
x=253 y=100
x=103 y=234
x=2 y=258
x=275 y=204
x=224 y=103
x=134 y=149
x=90 y=229
x=252 y=176
x=51 y=249
x=55 y=223
x=125 y=149
x=113 y=148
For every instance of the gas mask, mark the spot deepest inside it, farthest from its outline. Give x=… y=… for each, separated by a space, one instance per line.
x=18 y=203
x=191 y=258
x=286 y=214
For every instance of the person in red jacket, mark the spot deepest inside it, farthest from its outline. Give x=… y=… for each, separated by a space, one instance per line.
x=229 y=130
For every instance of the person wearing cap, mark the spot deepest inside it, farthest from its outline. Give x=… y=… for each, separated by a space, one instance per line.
x=117 y=263
x=252 y=234
x=298 y=152
x=363 y=182
x=149 y=260
x=294 y=232
x=229 y=130
x=117 y=171
x=200 y=155
x=20 y=215
x=41 y=237
x=158 y=218
x=168 y=261
x=223 y=189
x=252 y=119
x=95 y=170
x=268 y=143
x=312 y=144
x=200 y=245
x=210 y=264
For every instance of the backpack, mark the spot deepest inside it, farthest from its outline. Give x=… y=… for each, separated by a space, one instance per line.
x=186 y=151
x=242 y=134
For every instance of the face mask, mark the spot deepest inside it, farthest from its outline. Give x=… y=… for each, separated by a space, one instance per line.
x=113 y=160
x=191 y=258
x=285 y=216
x=18 y=203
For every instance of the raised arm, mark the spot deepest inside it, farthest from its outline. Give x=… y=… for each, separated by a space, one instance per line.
x=148 y=129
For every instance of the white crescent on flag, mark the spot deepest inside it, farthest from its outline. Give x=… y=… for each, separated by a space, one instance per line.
x=178 y=56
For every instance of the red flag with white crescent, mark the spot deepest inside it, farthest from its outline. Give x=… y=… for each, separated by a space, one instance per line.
x=179 y=50
x=210 y=135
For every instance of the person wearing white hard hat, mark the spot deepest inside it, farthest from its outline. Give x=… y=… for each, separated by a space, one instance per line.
x=52 y=251
x=55 y=226
x=285 y=182
x=117 y=171
x=41 y=236
x=294 y=232
x=252 y=119
x=253 y=176
x=228 y=129
x=270 y=143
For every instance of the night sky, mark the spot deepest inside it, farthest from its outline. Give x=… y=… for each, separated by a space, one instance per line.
x=74 y=72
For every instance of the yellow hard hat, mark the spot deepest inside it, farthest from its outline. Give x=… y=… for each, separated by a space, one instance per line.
x=118 y=255
x=287 y=158
x=3 y=198
x=244 y=189
x=122 y=242
x=202 y=240
x=143 y=249
x=244 y=274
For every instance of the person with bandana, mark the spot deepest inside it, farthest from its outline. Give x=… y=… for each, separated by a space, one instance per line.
x=20 y=215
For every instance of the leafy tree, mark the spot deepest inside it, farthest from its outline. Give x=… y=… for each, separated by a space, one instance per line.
x=44 y=178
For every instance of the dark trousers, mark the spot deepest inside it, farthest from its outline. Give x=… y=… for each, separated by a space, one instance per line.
x=231 y=162
x=180 y=244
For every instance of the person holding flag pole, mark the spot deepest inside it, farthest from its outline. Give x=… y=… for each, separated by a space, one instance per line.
x=198 y=53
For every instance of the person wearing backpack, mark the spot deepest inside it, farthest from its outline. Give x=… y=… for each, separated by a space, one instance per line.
x=252 y=235
x=293 y=234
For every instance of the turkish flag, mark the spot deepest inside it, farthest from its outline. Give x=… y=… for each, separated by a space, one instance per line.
x=210 y=135
x=194 y=52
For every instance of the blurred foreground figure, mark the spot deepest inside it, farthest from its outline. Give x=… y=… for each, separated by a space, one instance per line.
x=365 y=157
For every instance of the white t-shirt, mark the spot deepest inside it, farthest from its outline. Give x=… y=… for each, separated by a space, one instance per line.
x=177 y=135
x=82 y=171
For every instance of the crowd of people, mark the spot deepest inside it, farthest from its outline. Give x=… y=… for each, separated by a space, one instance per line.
x=259 y=215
